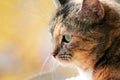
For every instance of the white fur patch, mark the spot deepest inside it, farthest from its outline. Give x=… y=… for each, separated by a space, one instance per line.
x=83 y=75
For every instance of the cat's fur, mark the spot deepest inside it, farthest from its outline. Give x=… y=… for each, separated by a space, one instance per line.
x=95 y=29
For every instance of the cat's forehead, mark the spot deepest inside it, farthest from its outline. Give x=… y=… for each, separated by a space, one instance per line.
x=70 y=19
x=66 y=17
x=69 y=10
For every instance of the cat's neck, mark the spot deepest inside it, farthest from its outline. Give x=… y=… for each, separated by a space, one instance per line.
x=85 y=74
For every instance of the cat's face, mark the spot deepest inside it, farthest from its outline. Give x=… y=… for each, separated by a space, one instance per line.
x=80 y=38
x=81 y=48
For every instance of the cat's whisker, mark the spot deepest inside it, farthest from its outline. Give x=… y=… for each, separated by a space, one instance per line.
x=53 y=72
x=52 y=67
x=42 y=69
x=45 y=62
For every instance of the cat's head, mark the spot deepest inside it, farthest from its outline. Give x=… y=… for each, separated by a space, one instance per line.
x=82 y=32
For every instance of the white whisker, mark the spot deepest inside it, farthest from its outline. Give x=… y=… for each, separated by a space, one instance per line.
x=53 y=70
x=42 y=69
x=45 y=62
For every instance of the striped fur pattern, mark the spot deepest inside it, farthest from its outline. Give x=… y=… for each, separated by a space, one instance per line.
x=94 y=27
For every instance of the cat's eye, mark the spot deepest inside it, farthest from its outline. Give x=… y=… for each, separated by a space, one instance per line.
x=67 y=38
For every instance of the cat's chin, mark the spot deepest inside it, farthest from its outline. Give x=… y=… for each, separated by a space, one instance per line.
x=63 y=58
x=63 y=61
x=66 y=64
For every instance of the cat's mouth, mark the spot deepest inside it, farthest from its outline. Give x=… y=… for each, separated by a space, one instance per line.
x=64 y=57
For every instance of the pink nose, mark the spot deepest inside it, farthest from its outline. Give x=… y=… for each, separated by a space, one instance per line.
x=54 y=54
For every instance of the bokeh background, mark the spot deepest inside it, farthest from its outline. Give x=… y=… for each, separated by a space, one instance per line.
x=24 y=37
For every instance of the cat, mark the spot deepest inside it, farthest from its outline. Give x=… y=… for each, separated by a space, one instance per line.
x=87 y=34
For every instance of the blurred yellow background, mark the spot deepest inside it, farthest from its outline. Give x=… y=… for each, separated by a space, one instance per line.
x=24 y=37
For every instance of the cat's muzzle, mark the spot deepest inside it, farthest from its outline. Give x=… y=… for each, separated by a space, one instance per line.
x=64 y=56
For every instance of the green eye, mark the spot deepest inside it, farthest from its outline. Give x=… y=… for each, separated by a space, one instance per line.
x=67 y=38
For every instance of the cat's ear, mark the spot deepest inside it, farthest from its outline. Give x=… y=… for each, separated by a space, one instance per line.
x=59 y=3
x=92 y=9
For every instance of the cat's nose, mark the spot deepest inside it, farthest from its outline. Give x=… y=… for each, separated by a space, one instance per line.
x=54 y=53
